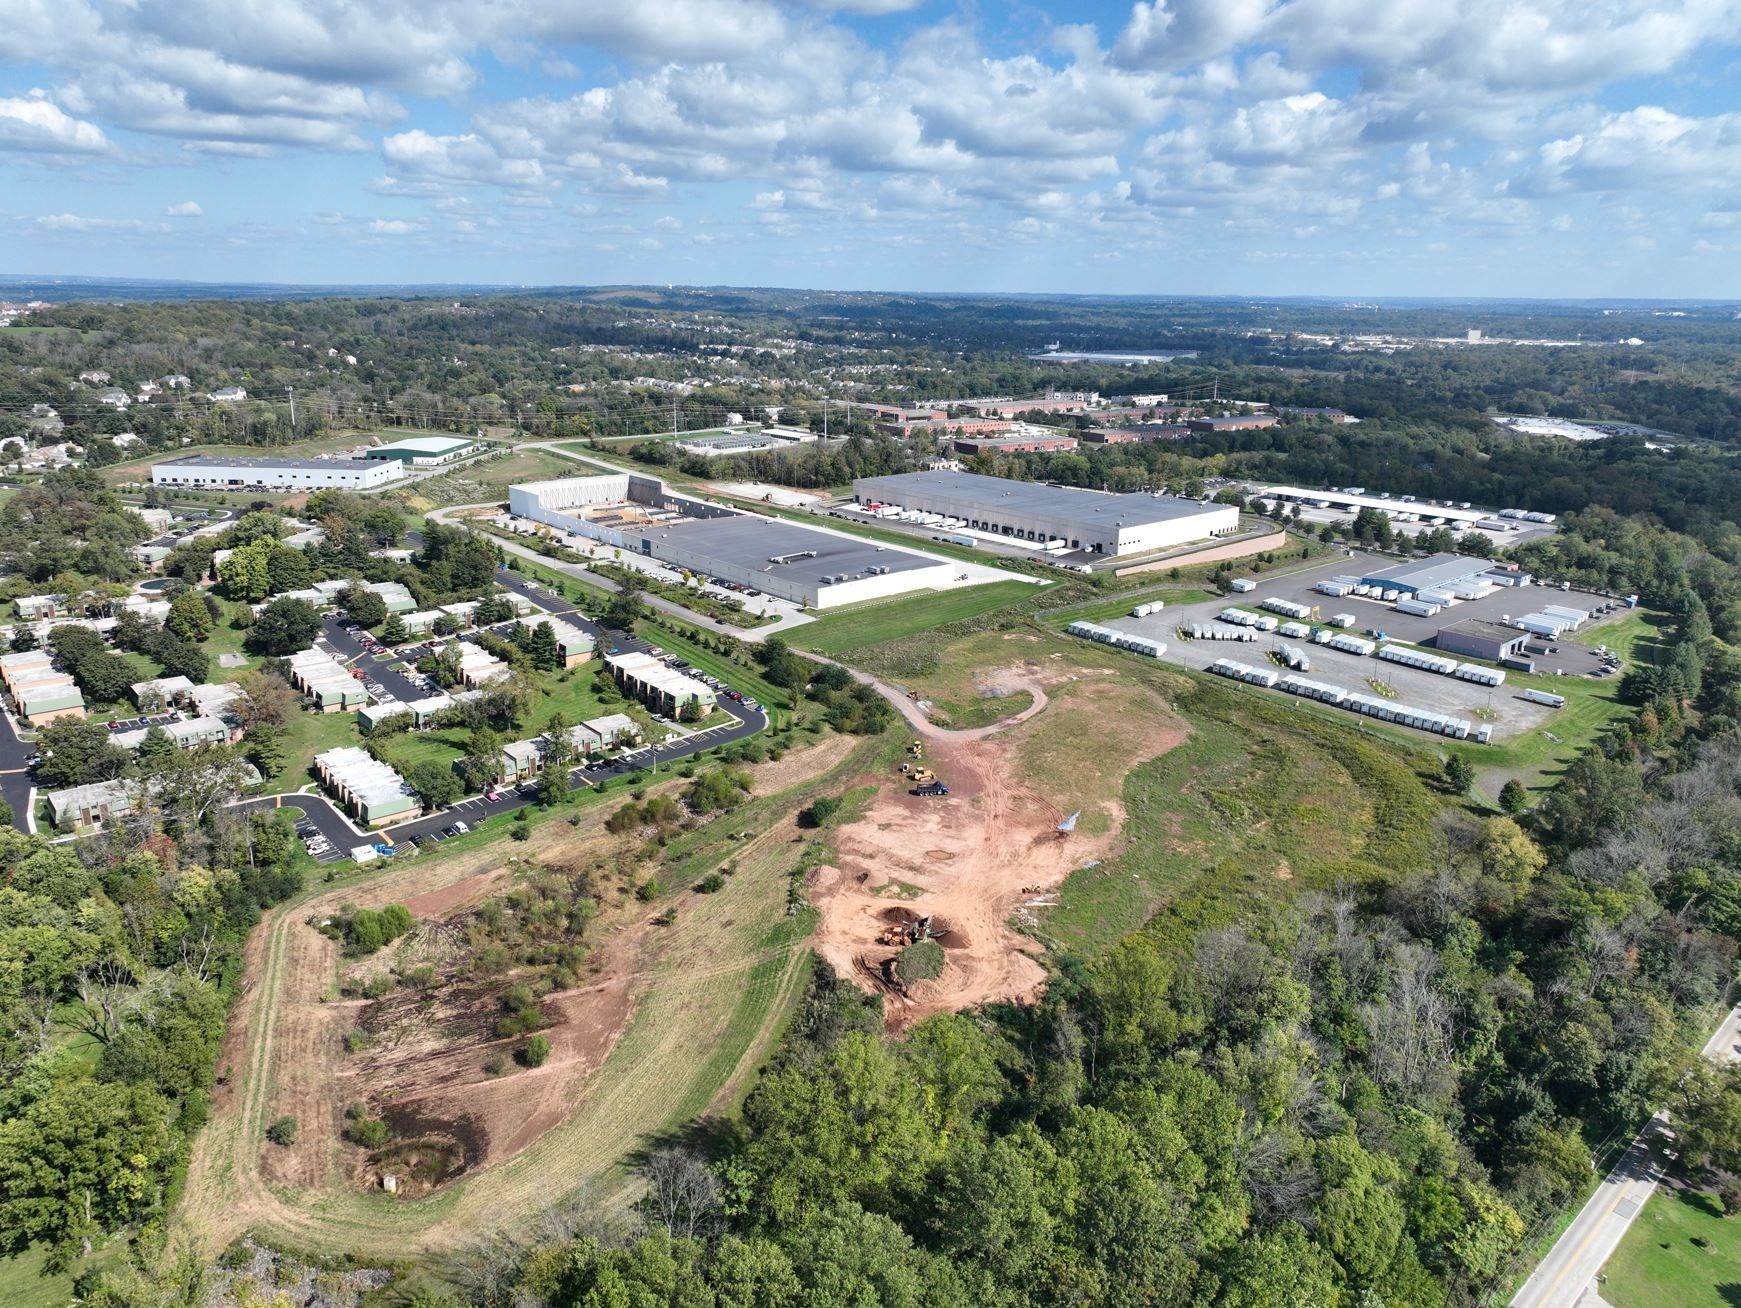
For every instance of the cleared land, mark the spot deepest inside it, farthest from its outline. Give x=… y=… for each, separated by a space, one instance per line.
x=666 y=1026
x=1265 y=797
x=989 y=853
x=907 y=615
x=1681 y=1251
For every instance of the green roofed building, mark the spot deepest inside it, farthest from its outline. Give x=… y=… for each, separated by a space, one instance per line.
x=424 y=451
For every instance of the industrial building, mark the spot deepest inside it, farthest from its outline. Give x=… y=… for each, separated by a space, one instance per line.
x=369 y=790
x=747 y=440
x=235 y=473
x=1238 y=422
x=820 y=569
x=1041 y=444
x=1055 y=516
x=1476 y=639
x=424 y=451
x=1435 y=574
x=660 y=688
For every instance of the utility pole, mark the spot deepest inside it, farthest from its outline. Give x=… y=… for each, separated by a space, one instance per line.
x=291 y=391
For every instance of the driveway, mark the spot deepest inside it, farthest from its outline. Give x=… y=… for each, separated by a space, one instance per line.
x=351 y=650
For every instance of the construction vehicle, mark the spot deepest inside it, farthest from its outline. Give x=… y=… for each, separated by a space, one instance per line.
x=902 y=934
x=916 y=748
x=931 y=790
x=923 y=776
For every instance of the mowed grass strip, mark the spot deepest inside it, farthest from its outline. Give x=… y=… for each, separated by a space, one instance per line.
x=1681 y=1250
x=895 y=618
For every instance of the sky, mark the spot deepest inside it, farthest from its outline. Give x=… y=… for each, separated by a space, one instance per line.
x=1557 y=148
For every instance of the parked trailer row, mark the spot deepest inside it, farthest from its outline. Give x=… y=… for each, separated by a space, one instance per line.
x=1342 y=620
x=1294 y=630
x=1209 y=631
x=1294 y=657
x=1143 y=610
x=1318 y=690
x=1418 y=608
x=1337 y=588
x=1287 y=608
x=1545 y=697
x=1241 y=618
x=1415 y=658
x=1119 y=639
x=1243 y=672
x=1479 y=675
x=1407 y=715
x=1347 y=644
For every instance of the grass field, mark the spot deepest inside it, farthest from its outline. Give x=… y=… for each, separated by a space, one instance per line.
x=478 y=483
x=1682 y=1251
x=712 y=995
x=893 y=619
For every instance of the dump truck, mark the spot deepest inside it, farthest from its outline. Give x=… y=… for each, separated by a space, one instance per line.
x=931 y=789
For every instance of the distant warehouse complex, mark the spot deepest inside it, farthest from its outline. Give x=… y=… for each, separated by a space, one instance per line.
x=234 y=473
x=821 y=569
x=1052 y=516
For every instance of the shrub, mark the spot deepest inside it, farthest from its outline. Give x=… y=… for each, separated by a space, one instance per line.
x=495 y=1065
x=370 y=1132
x=356 y=1040
x=712 y=883
x=920 y=961
x=821 y=810
x=282 y=1131
x=650 y=889
x=521 y=832
x=535 y=1051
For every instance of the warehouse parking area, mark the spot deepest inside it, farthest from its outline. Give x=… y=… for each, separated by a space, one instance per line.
x=1501 y=707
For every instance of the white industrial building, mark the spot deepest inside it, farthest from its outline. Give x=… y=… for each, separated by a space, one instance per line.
x=1059 y=517
x=239 y=473
x=807 y=565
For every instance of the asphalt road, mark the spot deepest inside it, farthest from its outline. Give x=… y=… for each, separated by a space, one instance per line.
x=388 y=674
x=1571 y=1266
x=16 y=785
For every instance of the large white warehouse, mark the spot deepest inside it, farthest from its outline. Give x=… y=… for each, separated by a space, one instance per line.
x=1085 y=520
x=234 y=473
x=821 y=569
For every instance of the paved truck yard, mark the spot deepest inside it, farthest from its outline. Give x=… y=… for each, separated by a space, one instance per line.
x=1502 y=706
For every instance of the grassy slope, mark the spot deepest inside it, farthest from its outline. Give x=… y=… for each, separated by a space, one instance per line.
x=720 y=986
x=1680 y=1251
x=892 y=619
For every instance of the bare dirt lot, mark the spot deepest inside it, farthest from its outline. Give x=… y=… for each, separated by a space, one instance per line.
x=973 y=860
x=663 y=1024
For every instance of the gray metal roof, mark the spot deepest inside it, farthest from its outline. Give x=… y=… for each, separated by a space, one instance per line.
x=233 y=461
x=1432 y=572
x=1085 y=509
x=749 y=542
x=1485 y=630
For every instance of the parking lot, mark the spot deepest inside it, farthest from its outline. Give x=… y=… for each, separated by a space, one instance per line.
x=1501 y=706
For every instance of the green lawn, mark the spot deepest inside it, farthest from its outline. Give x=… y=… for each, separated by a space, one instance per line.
x=23 y=1285
x=1680 y=1251
x=480 y=482
x=1119 y=606
x=740 y=674
x=305 y=735
x=895 y=618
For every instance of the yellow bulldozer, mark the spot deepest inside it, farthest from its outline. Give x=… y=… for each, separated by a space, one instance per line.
x=923 y=776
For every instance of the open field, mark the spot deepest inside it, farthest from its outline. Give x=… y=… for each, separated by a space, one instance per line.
x=906 y=615
x=481 y=482
x=701 y=1001
x=1682 y=1251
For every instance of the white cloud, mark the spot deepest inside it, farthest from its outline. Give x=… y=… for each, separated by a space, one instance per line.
x=186 y=209
x=71 y=222
x=393 y=227
x=35 y=124
x=1644 y=147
